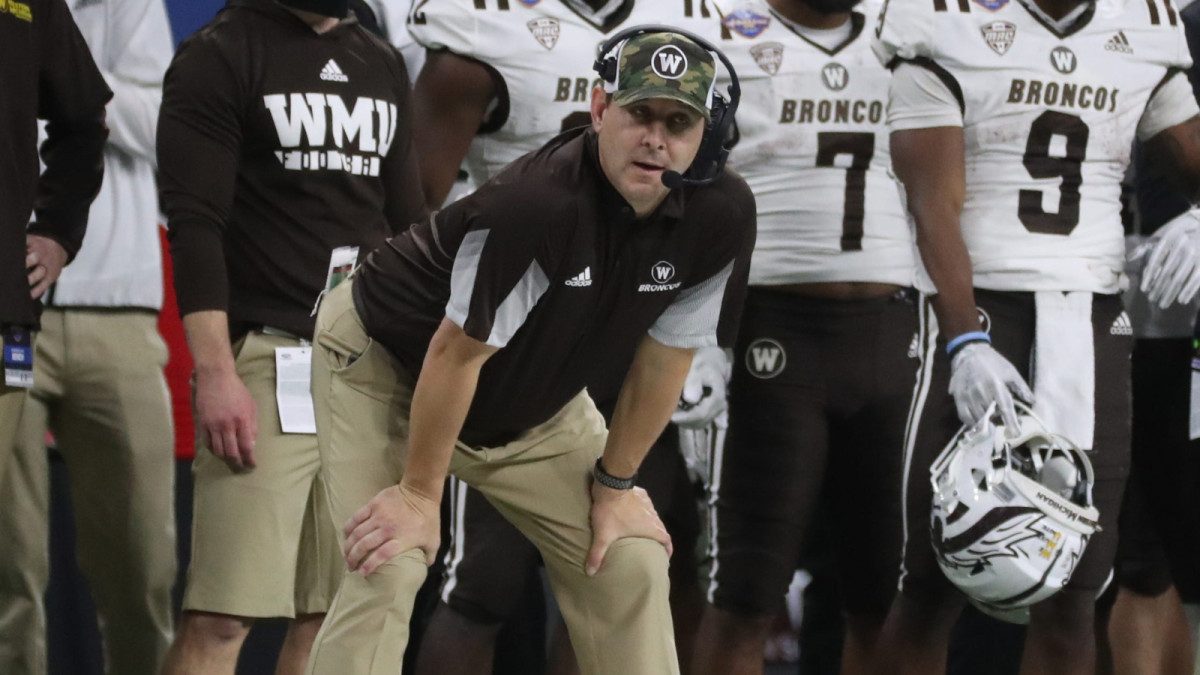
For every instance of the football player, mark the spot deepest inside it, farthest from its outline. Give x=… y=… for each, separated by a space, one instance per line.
x=502 y=77
x=822 y=373
x=1012 y=123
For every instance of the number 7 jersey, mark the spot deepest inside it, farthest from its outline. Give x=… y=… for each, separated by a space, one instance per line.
x=813 y=146
x=1049 y=119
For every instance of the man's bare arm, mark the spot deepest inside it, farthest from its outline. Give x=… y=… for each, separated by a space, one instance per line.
x=441 y=400
x=1180 y=147
x=930 y=164
x=648 y=397
x=225 y=412
x=452 y=96
x=405 y=517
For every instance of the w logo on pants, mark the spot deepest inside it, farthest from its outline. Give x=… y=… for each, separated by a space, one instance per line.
x=765 y=358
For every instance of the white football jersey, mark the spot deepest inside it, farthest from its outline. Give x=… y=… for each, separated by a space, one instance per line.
x=813 y=146
x=544 y=51
x=393 y=16
x=1049 y=120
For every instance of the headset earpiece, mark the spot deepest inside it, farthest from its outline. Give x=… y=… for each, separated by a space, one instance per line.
x=606 y=67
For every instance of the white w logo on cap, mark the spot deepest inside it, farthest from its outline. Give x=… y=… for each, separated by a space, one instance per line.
x=669 y=62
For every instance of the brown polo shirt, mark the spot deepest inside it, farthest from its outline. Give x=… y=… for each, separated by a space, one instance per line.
x=549 y=263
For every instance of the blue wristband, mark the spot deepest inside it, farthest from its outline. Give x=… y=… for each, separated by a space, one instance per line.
x=974 y=336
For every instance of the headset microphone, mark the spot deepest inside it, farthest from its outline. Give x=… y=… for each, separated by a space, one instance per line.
x=710 y=158
x=673 y=179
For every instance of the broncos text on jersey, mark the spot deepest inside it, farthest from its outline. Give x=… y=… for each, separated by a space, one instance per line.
x=1049 y=118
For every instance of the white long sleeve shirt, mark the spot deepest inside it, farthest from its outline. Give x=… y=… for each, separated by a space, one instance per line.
x=120 y=263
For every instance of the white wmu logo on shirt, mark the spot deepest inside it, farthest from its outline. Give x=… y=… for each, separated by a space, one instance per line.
x=333 y=73
x=323 y=125
x=584 y=278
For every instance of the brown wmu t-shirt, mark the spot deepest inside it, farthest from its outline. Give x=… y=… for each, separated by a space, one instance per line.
x=277 y=145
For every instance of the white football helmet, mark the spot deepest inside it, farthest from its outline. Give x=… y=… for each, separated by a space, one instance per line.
x=1011 y=516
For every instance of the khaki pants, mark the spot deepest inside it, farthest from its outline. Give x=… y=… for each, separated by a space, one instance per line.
x=262 y=541
x=619 y=620
x=12 y=401
x=99 y=387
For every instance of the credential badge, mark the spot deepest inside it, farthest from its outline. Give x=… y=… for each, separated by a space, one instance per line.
x=999 y=35
x=746 y=23
x=546 y=31
x=768 y=56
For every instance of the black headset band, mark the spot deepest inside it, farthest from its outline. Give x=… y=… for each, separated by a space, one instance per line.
x=606 y=48
x=710 y=159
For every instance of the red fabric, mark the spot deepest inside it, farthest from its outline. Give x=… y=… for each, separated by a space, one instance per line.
x=179 y=366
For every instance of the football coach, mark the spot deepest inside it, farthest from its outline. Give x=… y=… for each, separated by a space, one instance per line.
x=464 y=346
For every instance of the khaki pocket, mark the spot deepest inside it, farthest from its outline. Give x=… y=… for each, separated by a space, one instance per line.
x=342 y=354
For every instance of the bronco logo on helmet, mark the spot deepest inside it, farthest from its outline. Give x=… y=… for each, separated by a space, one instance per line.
x=1011 y=517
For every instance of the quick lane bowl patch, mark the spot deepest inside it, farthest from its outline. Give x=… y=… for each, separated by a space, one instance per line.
x=746 y=23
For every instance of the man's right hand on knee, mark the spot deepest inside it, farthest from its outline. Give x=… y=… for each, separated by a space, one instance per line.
x=396 y=520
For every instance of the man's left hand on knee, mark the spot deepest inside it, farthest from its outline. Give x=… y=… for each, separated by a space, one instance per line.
x=617 y=514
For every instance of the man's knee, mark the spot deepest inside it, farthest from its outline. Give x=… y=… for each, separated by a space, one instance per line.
x=637 y=565
x=1068 y=614
x=209 y=629
x=737 y=625
x=391 y=587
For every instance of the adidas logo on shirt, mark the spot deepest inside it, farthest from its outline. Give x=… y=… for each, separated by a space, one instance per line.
x=333 y=73
x=1121 y=326
x=584 y=278
x=1118 y=43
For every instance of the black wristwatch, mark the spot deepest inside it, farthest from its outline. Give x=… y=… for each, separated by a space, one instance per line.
x=610 y=481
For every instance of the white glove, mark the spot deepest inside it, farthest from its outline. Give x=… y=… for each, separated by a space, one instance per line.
x=1172 y=274
x=703 y=396
x=981 y=376
x=698 y=445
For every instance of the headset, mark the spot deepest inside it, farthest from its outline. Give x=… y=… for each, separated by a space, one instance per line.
x=714 y=148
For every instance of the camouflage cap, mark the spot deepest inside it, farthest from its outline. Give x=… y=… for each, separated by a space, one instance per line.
x=665 y=65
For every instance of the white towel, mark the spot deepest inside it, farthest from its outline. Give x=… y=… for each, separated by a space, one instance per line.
x=1064 y=365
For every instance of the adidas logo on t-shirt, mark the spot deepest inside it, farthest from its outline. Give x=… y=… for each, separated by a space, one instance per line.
x=1121 y=326
x=333 y=73
x=584 y=278
x=1119 y=43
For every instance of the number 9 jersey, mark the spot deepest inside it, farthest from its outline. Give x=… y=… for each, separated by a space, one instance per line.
x=813 y=146
x=1049 y=114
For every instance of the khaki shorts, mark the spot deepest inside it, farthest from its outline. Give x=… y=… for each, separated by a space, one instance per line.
x=262 y=541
